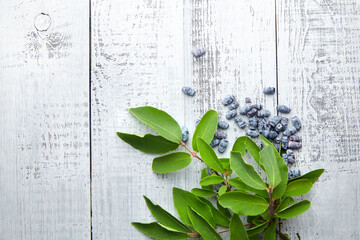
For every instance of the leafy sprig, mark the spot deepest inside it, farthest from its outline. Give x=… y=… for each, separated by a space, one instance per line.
x=265 y=203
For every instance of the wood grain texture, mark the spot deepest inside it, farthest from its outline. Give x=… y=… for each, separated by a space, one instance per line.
x=318 y=52
x=44 y=121
x=142 y=56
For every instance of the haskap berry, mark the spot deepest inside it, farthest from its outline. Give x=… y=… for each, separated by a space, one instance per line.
x=253 y=123
x=296 y=122
x=244 y=110
x=223 y=125
x=257 y=106
x=198 y=52
x=188 y=91
x=291 y=156
x=231 y=114
x=252 y=112
x=295 y=138
x=234 y=105
x=283 y=109
x=228 y=100
x=252 y=133
x=240 y=122
x=185 y=133
x=220 y=135
x=215 y=142
x=269 y=90
x=263 y=113
x=274 y=121
x=247 y=100
x=223 y=145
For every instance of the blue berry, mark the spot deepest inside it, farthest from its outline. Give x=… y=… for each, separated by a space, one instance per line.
x=223 y=145
x=291 y=156
x=294 y=145
x=247 y=100
x=294 y=173
x=215 y=142
x=263 y=113
x=198 y=52
x=240 y=122
x=296 y=122
x=283 y=109
x=208 y=171
x=234 y=105
x=290 y=131
x=220 y=135
x=269 y=90
x=295 y=138
x=223 y=125
x=185 y=133
x=257 y=106
x=275 y=120
x=228 y=100
x=231 y=114
x=279 y=127
x=188 y=91
x=253 y=123
x=277 y=139
x=284 y=142
x=252 y=112
x=252 y=133
x=277 y=146
x=245 y=109
x=284 y=121
x=285 y=157
x=272 y=135
x=263 y=125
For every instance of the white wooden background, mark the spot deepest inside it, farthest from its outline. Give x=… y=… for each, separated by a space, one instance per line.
x=67 y=83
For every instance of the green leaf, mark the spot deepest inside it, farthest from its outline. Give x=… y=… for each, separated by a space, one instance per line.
x=165 y=218
x=222 y=190
x=312 y=176
x=284 y=204
x=205 y=129
x=237 y=229
x=209 y=156
x=220 y=218
x=298 y=187
x=256 y=230
x=200 y=225
x=205 y=174
x=160 y=121
x=246 y=172
x=268 y=160
x=246 y=143
x=202 y=192
x=226 y=164
x=171 y=162
x=243 y=203
x=223 y=210
x=236 y=182
x=183 y=198
x=270 y=233
x=294 y=210
x=154 y=230
x=148 y=143
x=211 y=180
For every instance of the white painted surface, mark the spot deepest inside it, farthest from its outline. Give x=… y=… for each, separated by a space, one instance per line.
x=141 y=55
x=44 y=121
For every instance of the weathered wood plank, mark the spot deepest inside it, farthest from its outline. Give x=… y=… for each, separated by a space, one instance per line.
x=137 y=60
x=44 y=126
x=318 y=43
x=142 y=56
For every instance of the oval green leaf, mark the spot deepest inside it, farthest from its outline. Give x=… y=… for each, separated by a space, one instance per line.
x=256 y=230
x=209 y=156
x=154 y=230
x=200 y=225
x=184 y=198
x=165 y=217
x=222 y=210
x=245 y=143
x=269 y=161
x=160 y=121
x=312 y=176
x=298 y=187
x=211 y=180
x=220 y=218
x=204 y=173
x=236 y=182
x=243 y=203
x=270 y=233
x=226 y=164
x=205 y=129
x=246 y=172
x=148 y=143
x=284 y=204
x=294 y=210
x=222 y=190
x=202 y=192
x=237 y=229
x=171 y=162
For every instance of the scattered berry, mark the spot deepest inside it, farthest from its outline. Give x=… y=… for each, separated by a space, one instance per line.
x=198 y=52
x=228 y=100
x=220 y=135
x=263 y=113
x=252 y=112
x=223 y=125
x=231 y=114
x=284 y=121
x=234 y=105
x=247 y=100
x=283 y=109
x=275 y=120
x=295 y=138
x=215 y=142
x=294 y=173
x=240 y=122
x=291 y=156
x=222 y=146
x=185 y=133
x=269 y=90
x=284 y=142
x=296 y=122
x=252 y=133
x=294 y=145
x=245 y=109
x=188 y=91
x=257 y=106
x=253 y=123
